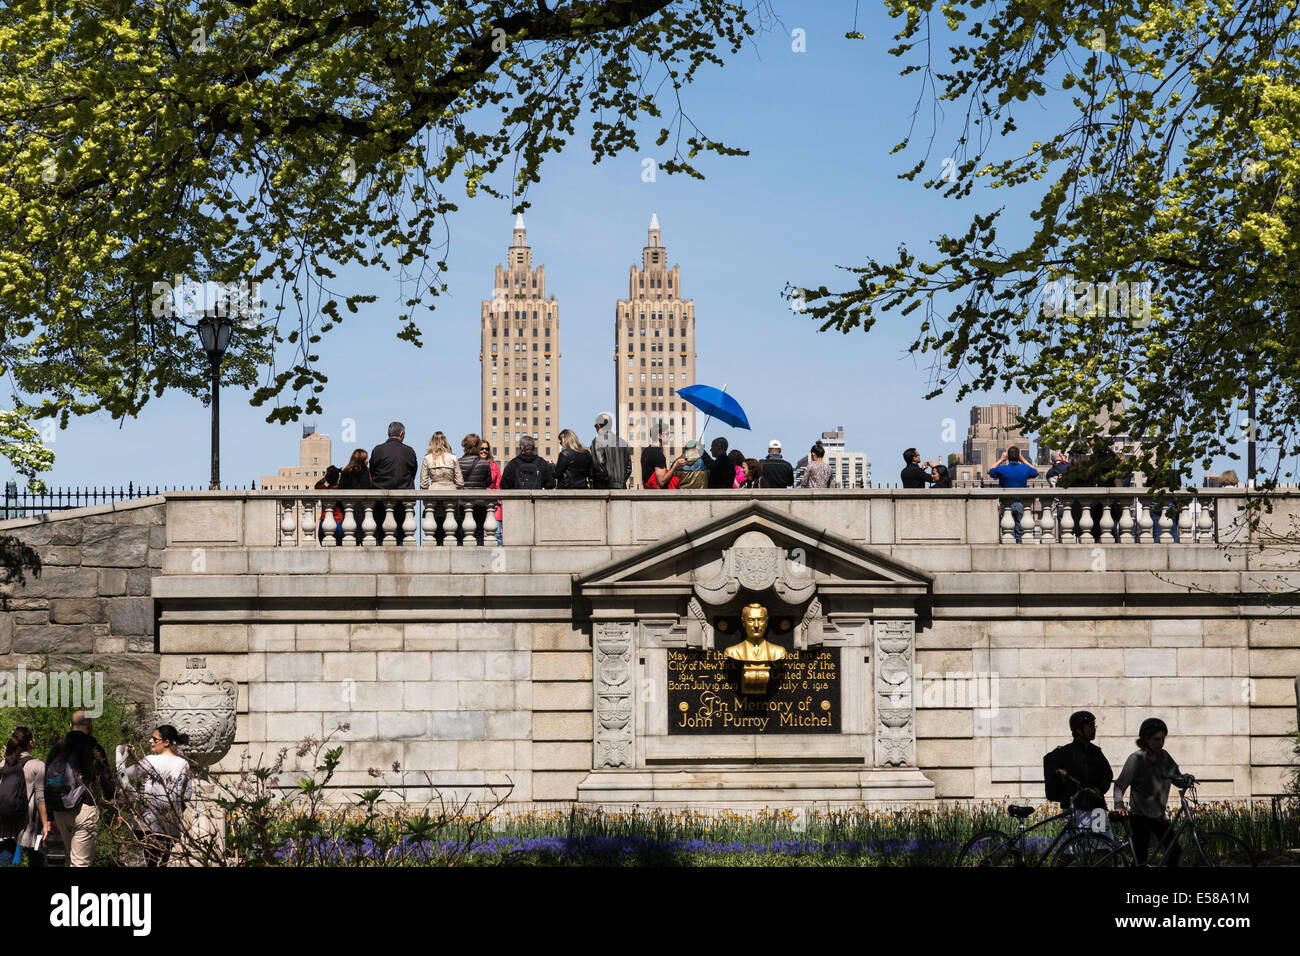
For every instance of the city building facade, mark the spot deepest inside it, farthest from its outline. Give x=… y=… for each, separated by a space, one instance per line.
x=654 y=350
x=850 y=469
x=993 y=429
x=520 y=356
x=313 y=459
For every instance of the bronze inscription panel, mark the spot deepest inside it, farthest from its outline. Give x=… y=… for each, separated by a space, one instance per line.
x=803 y=695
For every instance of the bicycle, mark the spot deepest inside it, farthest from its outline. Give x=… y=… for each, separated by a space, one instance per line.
x=1214 y=849
x=993 y=847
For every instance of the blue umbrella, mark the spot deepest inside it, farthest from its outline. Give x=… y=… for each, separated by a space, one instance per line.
x=716 y=403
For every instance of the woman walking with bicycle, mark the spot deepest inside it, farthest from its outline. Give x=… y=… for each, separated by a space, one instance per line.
x=1148 y=773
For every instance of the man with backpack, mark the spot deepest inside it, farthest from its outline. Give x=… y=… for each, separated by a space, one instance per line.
x=1083 y=761
x=526 y=470
x=77 y=778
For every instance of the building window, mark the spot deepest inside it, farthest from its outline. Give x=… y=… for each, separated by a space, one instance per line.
x=494 y=378
x=494 y=421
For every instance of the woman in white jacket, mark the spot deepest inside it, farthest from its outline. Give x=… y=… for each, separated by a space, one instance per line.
x=164 y=778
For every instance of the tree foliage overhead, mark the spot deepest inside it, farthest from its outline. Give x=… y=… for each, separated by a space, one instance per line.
x=1161 y=137
x=272 y=141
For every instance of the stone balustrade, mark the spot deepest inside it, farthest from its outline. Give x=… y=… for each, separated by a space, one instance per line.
x=1081 y=516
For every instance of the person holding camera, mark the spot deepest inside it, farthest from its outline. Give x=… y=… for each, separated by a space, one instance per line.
x=913 y=475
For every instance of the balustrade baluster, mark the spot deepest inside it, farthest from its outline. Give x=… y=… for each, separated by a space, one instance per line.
x=288 y=522
x=430 y=525
x=470 y=525
x=1166 y=526
x=349 y=525
x=490 y=525
x=449 y=525
x=1185 y=523
x=1205 y=522
x=1107 y=523
x=1049 y=522
x=390 y=524
x=1068 y=534
x=1005 y=524
x=1126 y=523
x=1145 y=524
x=408 y=524
x=1086 y=523
x=328 y=524
x=308 y=523
x=368 y=525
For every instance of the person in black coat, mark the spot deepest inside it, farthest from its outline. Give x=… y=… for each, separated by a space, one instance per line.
x=914 y=476
x=1082 y=760
x=777 y=472
x=722 y=473
x=393 y=466
x=477 y=472
x=573 y=464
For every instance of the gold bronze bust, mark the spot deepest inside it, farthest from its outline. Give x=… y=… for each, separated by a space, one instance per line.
x=755 y=651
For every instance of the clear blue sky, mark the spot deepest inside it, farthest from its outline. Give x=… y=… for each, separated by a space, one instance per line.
x=818 y=190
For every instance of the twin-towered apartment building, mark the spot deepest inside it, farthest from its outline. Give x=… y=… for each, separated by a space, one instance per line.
x=654 y=353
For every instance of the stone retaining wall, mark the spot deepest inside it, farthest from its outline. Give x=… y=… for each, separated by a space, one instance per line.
x=93 y=599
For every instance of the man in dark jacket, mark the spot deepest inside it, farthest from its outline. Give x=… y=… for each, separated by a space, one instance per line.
x=478 y=475
x=777 y=472
x=1084 y=761
x=81 y=766
x=722 y=473
x=393 y=466
x=914 y=476
x=526 y=470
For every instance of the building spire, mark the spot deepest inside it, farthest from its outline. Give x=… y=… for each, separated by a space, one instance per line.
x=654 y=221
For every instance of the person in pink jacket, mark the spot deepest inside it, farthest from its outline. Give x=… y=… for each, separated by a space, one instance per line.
x=485 y=451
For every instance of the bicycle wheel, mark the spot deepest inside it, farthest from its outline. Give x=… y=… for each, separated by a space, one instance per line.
x=1089 y=849
x=988 y=848
x=1215 y=849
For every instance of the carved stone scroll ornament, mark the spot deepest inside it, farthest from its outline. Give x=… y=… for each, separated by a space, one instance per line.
x=810 y=630
x=756 y=563
x=613 y=677
x=699 y=632
x=895 y=710
x=198 y=704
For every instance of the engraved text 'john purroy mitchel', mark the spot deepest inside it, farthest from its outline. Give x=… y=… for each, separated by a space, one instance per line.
x=753 y=686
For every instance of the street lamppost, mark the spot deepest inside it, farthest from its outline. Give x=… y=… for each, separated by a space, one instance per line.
x=214 y=333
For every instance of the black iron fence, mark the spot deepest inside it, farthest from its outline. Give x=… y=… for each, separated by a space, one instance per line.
x=25 y=504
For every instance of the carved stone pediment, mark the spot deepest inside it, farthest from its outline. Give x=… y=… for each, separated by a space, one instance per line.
x=754 y=550
x=755 y=563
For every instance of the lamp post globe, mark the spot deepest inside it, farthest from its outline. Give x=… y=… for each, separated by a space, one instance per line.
x=214 y=335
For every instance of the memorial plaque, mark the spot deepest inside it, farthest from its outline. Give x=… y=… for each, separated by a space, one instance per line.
x=803 y=695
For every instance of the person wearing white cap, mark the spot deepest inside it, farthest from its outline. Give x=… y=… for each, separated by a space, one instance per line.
x=777 y=472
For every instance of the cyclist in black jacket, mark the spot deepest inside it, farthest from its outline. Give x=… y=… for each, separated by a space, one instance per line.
x=1084 y=761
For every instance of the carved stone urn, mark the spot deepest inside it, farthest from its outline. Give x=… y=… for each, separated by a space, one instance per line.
x=198 y=704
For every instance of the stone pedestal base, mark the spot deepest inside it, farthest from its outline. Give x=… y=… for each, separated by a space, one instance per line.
x=749 y=788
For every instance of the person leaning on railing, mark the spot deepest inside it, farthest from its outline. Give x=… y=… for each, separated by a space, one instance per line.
x=440 y=471
x=485 y=452
x=477 y=473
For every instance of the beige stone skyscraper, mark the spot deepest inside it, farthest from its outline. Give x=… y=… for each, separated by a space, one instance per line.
x=521 y=356
x=654 y=350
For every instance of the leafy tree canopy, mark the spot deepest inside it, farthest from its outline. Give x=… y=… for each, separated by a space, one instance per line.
x=265 y=143
x=1161 y=136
